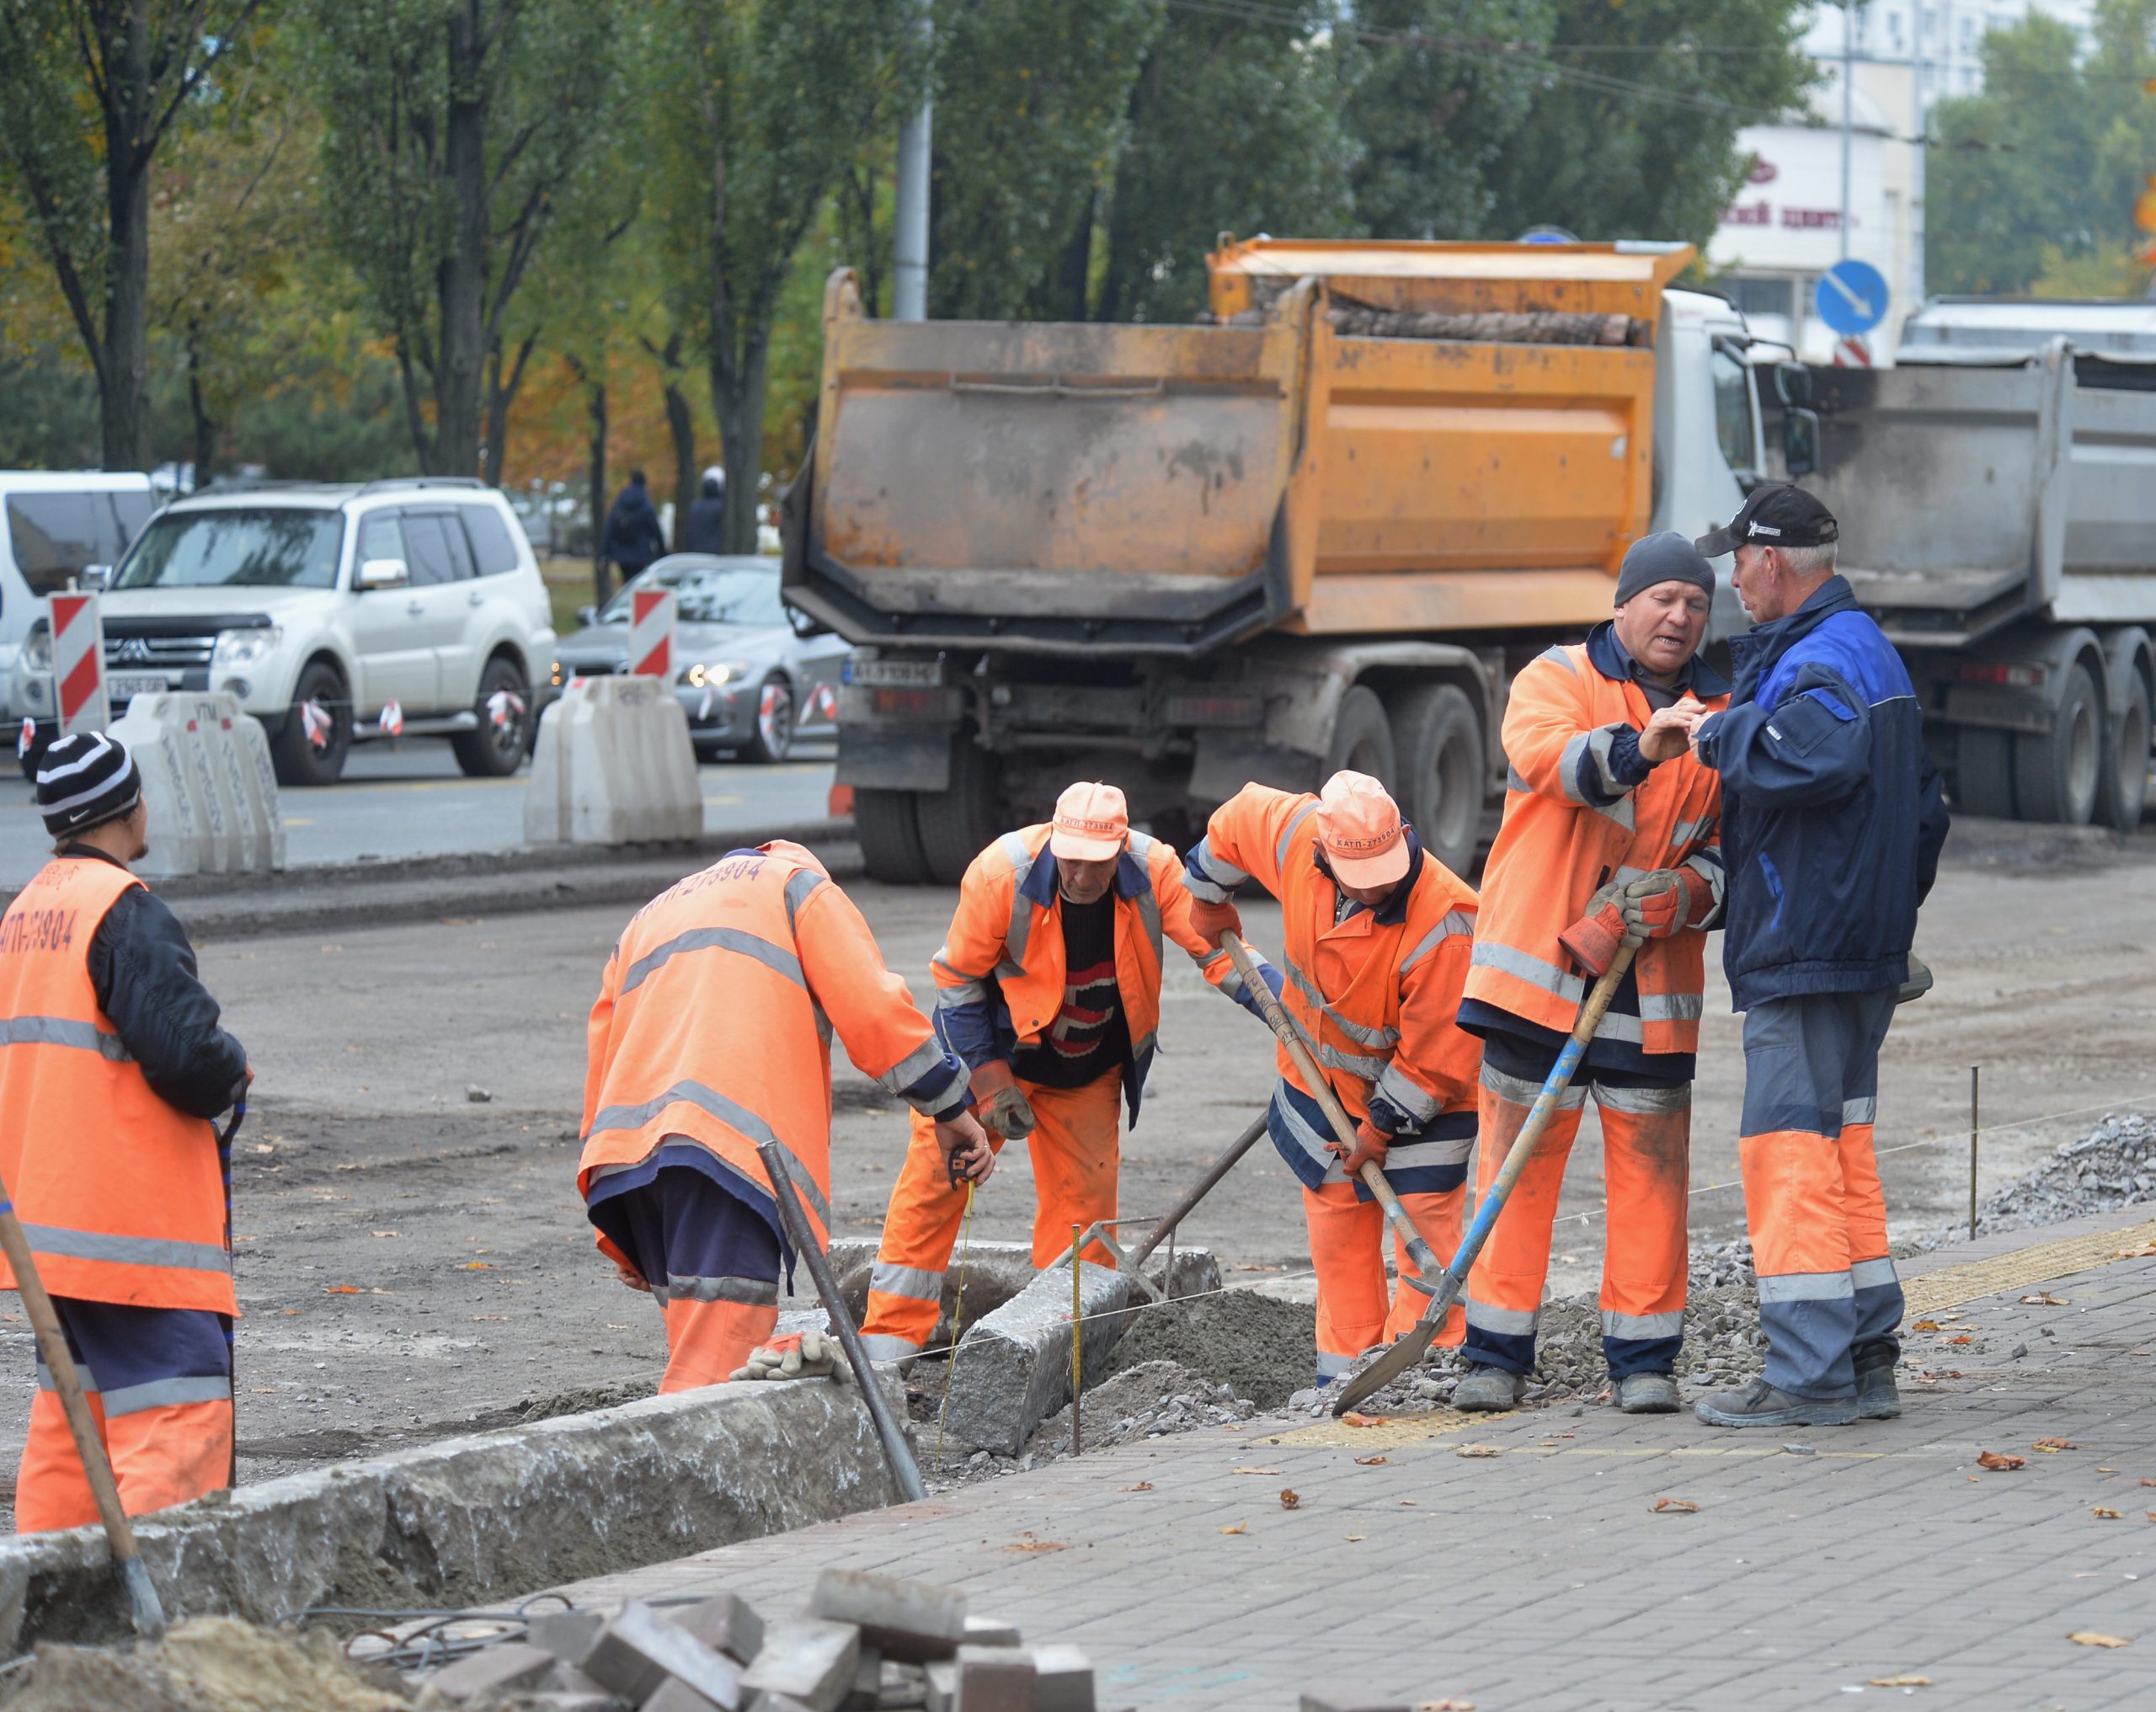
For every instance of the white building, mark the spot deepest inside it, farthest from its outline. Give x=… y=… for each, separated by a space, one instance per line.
x=1786 y=227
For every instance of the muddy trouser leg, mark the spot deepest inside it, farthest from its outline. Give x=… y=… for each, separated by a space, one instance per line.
x=1347 y=1249
x=1504 y=1290
x=920 y=1228
x=1645 y=1152
x=1075 y=1162
x=1878 y=1290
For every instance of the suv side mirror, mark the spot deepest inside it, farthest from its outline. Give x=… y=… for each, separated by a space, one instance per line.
x=382 y=574
x=1799 y=441
x=96 y=579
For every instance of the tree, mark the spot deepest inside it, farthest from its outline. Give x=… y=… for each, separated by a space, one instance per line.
x=2036 y=174
x=758 y=106
x=1632 y=132
x=89 y=92
x=452 y=130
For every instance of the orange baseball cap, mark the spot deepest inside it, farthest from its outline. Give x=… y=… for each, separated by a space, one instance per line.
x=1359 y=829
x=1092 y=823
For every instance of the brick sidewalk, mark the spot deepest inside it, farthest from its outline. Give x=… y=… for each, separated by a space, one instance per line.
x=1540 y=1577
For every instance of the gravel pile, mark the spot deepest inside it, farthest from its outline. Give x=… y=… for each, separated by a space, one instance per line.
x=1257 y=1346
x=1144 y=1401
x=2112 y=1167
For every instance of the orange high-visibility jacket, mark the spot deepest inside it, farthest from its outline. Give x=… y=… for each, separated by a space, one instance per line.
x=119 y=1191
x=1571 y=824
x=1376 y=996
x=715 y=1018
x=999 y=976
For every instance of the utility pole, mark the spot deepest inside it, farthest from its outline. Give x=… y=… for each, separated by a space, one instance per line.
x=1918 y=214
x=1848 y=63
x=909 y=289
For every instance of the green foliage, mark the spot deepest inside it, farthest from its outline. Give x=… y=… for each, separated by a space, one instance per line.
x=2036 y=176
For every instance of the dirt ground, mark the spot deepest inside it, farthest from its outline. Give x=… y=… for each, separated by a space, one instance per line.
x=414 y=1261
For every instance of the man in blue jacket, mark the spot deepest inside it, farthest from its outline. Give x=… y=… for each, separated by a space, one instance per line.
x=1831 y=829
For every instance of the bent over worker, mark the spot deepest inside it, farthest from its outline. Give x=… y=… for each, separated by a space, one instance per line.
x=1376 y=932
x=1609 y=824
x=1048 y=987
x=112 y=1062
x=712 y=1034
x=1831 y=824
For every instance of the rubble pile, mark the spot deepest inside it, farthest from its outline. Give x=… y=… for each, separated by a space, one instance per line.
x=206 y=1664
x=1145 y=1401
x=2113 y=1165
x=1258 y=1345
x=867 y=1643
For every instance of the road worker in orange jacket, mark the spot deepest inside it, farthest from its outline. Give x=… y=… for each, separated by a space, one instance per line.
x=1048 y=987
x=1377 y=933
x=711 y=1035
x=112 y=1062
x=1610 y=822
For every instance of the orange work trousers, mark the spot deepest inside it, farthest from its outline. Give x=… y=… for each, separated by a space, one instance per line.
x=1075 y=1160
x=1645 y=1154
x=1355 y=1310
x=707 y=1341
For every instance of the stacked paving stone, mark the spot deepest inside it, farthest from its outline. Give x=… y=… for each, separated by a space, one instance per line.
x=868 y=1644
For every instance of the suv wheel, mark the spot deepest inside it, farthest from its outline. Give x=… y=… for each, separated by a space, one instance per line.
x=302 y=758
x=498 y=747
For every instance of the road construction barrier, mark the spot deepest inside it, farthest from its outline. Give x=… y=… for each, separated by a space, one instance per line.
x=206 y=779
x=614 y=764
x=651 y=632
x=79 y=664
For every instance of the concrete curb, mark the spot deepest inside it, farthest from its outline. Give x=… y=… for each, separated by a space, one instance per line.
x=471 y=1520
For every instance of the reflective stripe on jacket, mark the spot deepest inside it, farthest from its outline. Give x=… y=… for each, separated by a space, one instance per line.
x=714 y=1023
x=999 y=976
x=118 y=1191
x=1583 y=809
x=1376 y=996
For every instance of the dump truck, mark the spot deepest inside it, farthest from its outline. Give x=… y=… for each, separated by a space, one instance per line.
x=1323 y=529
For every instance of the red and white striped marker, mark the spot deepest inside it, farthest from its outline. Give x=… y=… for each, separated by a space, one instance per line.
x=392 y=719
x=825 y=703
x=79 y=664
x=1852 y=353
x=651 y=633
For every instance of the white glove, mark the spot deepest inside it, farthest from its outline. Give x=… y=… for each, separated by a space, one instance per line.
x=810 y=1355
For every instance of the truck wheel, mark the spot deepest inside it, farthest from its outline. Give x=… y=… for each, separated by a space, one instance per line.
x=2055 y=771
x=956 y=825
x=1439 y=741
x=2122 y=787
x=1983 y=773
x=1361 y=740
x=890 y=837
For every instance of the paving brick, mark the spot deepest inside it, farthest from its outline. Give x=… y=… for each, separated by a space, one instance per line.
x=807 y=1658
x=990 y=1631
x=1063 y=1678
x=994 y=1679
x=494 y=1670
x=638 y=1651
x=674 y=1695
x=724 y=1623
x=915 y=1621
x=568 y=1635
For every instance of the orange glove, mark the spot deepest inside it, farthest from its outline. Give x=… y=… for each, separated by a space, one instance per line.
x=1370 y=1144
x=1208 y=921
x=1593 y=939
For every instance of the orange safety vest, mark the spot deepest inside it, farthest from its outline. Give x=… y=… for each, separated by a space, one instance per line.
x=1556 y=850
x=1006 y=941
x=714 y=1024
x=119 y=1191
x=1377 y=995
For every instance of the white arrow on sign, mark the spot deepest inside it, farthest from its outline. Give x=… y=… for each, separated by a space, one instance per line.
x=1857 y=302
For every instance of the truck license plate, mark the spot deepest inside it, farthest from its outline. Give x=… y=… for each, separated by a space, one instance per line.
x=895 y=675
x=123 y=686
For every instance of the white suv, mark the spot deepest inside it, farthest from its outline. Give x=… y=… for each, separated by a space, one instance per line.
x=318 y=606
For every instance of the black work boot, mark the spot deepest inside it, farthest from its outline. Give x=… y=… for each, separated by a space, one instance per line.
x=1647 y=1393
x=1760 y=1405
x=1485 y=1390
x=1877 y=1397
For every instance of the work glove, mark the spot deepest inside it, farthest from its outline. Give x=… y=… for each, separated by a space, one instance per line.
x=806 y=1355
x=1658 y=903
x=1594 y=938
x=968 y=1157
x=1370 y=1144
x=1002 y=1108
x=1919 y=982
x=1208 y=921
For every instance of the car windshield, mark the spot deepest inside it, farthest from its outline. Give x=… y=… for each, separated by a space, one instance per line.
x=712 y=594
x=267 y=546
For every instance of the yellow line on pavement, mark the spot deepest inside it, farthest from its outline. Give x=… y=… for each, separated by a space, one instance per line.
x=1952 y=1287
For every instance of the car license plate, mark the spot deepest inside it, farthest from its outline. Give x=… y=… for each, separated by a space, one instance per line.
x=122 y=686
x=895 y=675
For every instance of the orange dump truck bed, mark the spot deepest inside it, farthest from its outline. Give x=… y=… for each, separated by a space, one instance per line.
x=1373 y=438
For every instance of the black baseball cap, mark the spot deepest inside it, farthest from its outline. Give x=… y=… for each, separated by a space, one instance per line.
x=1775 y=515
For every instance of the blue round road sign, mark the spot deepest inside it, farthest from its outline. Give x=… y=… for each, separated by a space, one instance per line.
x=1851 y=298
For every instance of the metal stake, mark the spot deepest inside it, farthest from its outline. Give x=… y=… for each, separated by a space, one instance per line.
x=1973 y=1152
x=1077 y=1336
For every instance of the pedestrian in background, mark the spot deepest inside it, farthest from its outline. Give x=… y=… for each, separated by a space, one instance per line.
x=632 y=537
x=1832 y=823
x=706 y=531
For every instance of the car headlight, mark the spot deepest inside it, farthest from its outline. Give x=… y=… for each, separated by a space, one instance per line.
x=559 y=677
x=37 y=647
x=715 y=673
x=243 y=648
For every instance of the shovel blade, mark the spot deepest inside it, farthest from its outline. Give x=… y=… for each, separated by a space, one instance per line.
x=145 y=1606
x=1413 y=1346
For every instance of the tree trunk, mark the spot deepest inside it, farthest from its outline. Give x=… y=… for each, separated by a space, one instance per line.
x=688 y=480
x=500 y=395
x=600 y=579
x=198 y=405
x=1067 y=281
x=737 y=397
x=125 y=393
x=461 y=281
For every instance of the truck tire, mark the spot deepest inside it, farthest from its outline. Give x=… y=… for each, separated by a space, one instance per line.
x=2122 y=786
x=1983 y=773
x=1438 y=740
x=957 y=825
x=1362 y=739
x=890 y=837
x=2055 y=771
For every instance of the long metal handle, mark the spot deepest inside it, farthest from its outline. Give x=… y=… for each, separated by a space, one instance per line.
x=96 y=1466
x=896 y=1452
x=1199 y=1190
x=1424 y=1256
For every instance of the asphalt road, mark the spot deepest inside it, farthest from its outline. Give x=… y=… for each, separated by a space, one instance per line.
x=411 y=801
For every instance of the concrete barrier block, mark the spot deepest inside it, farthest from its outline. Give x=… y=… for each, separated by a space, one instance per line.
x=613 y=764
x=1012 y=1370
x=208 y=784
x=913 y=1621
x=808 y=1660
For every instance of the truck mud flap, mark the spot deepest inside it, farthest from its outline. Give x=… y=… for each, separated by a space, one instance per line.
x=894 y=758
x=1227 y=761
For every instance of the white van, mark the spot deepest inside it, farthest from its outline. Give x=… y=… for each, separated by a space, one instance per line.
x=53 y=528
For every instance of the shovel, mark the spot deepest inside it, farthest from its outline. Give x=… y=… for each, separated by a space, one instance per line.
x=1415 y=1341
x=149 y=1612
